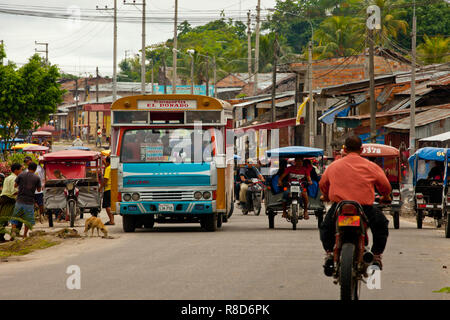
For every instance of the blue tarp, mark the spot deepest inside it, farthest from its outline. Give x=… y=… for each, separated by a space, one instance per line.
x=294 y=151
x=78 y=148
x=429 y=153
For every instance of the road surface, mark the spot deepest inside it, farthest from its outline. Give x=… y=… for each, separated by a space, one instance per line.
x=244 y=260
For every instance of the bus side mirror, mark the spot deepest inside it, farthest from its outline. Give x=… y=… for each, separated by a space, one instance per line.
x=220 y=161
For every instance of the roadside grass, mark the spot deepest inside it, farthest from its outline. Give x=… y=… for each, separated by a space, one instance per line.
x=20 y=247
x=443 y=290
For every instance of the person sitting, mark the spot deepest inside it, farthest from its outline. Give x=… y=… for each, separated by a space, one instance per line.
x=437 y=172
x=275 y=187
x=58 y=175
x=77 y=142
x=246 y=174
x=296 y=172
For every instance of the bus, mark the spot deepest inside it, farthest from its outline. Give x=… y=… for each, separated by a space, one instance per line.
x=172 y=160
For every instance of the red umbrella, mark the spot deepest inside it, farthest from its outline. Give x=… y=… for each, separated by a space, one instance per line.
x=47 y=128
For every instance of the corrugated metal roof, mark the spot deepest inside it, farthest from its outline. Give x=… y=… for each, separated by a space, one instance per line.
x=277 y=96
x=439 y=137
x=435 y=114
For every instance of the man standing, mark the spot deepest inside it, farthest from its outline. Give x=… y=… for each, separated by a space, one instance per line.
x=27 y=182
x=9 y=195
x=39 y=195
x=99 y=137
x=353 y=178
x=107 y=191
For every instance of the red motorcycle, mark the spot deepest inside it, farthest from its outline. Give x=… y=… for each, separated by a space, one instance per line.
x=351 y=257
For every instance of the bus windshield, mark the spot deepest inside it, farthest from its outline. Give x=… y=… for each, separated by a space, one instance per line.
x=166 y=145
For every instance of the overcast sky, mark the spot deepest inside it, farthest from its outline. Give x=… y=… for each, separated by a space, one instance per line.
x=78 y=47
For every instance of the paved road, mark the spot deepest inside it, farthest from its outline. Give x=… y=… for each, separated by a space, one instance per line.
x=244 y=260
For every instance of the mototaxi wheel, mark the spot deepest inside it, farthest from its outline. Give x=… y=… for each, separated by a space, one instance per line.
x=294 y=217
x=396 y=218
x=72 y=213
x=50 y=218
x=271 y=216
x=419 y=219
x=447 y=226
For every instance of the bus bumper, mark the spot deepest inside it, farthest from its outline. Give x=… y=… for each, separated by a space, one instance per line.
x=167 y=207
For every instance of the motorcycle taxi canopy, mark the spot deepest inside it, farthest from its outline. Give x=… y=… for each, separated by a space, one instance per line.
x=294 y=151
x=429 y=153
x=80 y=155
x=379 y=150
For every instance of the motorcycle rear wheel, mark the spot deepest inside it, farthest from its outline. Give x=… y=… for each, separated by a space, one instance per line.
x=349 y=283
x=294 y=218
x=72 y=213
x=447 y=226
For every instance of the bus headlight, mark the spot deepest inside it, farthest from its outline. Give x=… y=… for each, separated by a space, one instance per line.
x=135 y=196
x=197 y=195
x=206 y=195
x=126 y=197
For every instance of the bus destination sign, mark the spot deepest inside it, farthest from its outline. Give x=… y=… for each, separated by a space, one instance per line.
x=167 y=104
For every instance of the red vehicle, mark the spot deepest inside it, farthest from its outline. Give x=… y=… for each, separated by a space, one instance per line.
x=388 y=158
x=72 y=181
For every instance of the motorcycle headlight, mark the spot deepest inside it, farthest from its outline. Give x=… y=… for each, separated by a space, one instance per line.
x=206 y=194
x=198 y=195
x=70 y=186
x=135 y=196
x=126 y=197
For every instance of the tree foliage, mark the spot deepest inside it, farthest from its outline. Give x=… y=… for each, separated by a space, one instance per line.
x=27 y=95
x=434 y=50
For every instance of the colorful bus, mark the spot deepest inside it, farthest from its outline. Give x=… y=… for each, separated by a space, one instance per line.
x=171 y=160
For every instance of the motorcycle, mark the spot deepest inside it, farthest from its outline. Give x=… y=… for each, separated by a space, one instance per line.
x=71 y=193
x=351 y=257
x=295 y=192
x=256 y=190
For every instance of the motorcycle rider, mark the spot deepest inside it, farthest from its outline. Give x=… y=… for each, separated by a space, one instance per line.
x=297 y=172
x=353 y=178
x=246 y=174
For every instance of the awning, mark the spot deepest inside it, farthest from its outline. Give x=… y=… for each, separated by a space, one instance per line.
x=438 y=138
x=328 y=116
x=101 y=107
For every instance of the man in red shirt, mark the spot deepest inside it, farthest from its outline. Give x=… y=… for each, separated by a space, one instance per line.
x=354 y=178
x=296 y=172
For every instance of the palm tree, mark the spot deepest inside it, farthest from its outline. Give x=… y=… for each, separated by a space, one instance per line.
x=434 y=49
x=390 y=25
x=338 y=36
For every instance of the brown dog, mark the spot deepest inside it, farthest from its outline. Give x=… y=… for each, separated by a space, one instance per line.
x=95 y=223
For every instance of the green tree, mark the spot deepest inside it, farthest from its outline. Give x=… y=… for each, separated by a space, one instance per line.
x=434 y=50
x=338 y=36
x=27 y=95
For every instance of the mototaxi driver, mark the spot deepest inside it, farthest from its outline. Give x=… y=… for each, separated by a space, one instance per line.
x=246 y=174
x=296 y=172
x=354 y=178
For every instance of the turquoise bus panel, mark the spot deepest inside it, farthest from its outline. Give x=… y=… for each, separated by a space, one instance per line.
x=166 y=174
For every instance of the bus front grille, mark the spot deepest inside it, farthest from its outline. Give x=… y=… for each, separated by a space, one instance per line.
x=167 y=196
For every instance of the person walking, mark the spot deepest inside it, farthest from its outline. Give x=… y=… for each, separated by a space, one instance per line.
x=27 y=183
x=99 y=137
x=39 y=195
x=8 y=196
x=106 y=186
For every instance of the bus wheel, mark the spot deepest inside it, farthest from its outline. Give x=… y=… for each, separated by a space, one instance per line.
x=219 y=220
x=210 y=222
x=129 y=223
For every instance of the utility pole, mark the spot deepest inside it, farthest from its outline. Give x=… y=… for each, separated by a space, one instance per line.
x=164 y=70
x=214 y=77
x=274 y=77
x=249 y=44
x=373 y=103
x=311 y=100
x=114 y=79
x=152 y=77
x=174 y=84
x=43 y=51
x=207 y=74
x=412 y=116
x=76 y=107
x=143 y=42
x=258 y=13
x=96 y=98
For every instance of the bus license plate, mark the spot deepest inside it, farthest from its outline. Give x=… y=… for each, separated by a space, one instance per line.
x=295 y=189
x=165 y=207
x=349 y=221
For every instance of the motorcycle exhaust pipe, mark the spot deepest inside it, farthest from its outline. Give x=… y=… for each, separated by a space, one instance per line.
x=368 y=257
